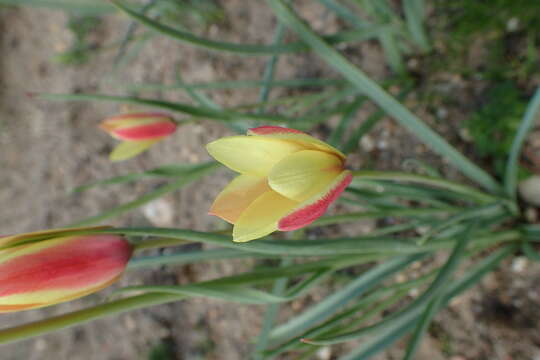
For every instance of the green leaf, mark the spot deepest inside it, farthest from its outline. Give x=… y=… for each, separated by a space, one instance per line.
x=188 y=178
x=173 y=170
x=382 y=341
x=87 y=7
x=270 y=316
x=381 y=97
x=336 y=137
x=400 y=213
x=238 y=84
x=362 y=307
x=376 y=247
x=511 y=174
x=528 y=250
x=413 y=309
x=465 y=191
x=334 y=302
x=192 y=257
x=421 y=327
x=414 y=15
x=194 y=111
x=270 y=67
x=245 y=49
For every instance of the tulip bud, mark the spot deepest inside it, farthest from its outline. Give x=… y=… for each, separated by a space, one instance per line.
x=48 y=271
x=139 y=131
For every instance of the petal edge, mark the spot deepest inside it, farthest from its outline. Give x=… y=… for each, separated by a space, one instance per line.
x=315 y=207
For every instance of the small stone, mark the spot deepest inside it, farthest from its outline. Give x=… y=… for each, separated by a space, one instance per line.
x=531 y=214
x=519 y=264
x=400 y=278
x=130 y=323
x=40 y=345
x=512 y=24
x=367 y=143
x=529 y=189
x=159 y=212
x=465 y=134
x=324 y=353
x=422 y=229
x=442 y=113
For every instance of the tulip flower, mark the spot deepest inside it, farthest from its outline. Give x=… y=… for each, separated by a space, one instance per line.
x=287 y=180
x=138 y=131
x=49 y=267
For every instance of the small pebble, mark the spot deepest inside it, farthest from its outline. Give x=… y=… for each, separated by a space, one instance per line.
x=529 y=189
x=159 y=212
x=367 y=143
x=465 y=134
x=519 y=264
x=512 y=24
x=442 y=113
x=531 y=214
x=324 y=353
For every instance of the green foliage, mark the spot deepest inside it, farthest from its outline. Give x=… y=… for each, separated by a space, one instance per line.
x=188 y=13
x=483 y=16
x=81 y=48
x=506 y=30
x=494 y=126
x=164 y=350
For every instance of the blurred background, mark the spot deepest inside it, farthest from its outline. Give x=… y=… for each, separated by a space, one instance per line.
x=468 y=69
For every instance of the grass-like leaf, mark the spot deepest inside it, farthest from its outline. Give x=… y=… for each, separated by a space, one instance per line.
x=421 y=327
x=336 y=137
x=414 y=15
x=154 y=194
x=382 y=341
x=79 y=317
x=376 y=247
x=511 y=174
x=192 y=257
x=413 y=309
x=465 y=191
x=86 y=7
x=194 y=111
x=381 y=97
x=173 y=170
x=246 y=49
x=239 y=84
x=334 y=302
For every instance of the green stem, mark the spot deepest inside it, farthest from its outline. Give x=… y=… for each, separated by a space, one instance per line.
x=426 y=180
x=41 y=327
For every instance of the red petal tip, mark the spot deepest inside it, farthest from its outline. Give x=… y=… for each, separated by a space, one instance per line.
x=311 y=212
x=269 y=130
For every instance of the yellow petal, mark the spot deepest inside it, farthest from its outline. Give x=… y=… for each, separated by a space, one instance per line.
x=253 y=155
x=262 y=216
x=237 y=196
x=129 y=149
x=308 y=142
x=305 y=173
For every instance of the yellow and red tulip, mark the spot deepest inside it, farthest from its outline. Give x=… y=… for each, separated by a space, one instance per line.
x=138 y=131
x=287 y=180
x=49 y=267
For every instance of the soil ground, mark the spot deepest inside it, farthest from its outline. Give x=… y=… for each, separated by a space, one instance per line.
x=49 y=148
